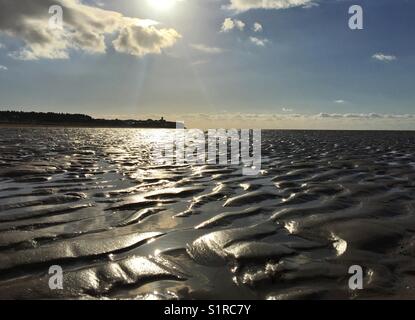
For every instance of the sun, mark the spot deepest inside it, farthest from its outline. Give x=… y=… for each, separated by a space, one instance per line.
x=161 y=4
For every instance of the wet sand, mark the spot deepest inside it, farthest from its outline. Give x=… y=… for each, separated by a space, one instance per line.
x=90 y=201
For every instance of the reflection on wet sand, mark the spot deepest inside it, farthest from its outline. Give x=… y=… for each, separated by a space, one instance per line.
x=91 y=201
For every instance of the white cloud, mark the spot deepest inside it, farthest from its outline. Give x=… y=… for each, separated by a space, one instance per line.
x=230 y=24
x=139 y=41
x=3 y=68
x=244 y=5
x=1 y=45
x=85 y=29
x=257 y=27
x=340 y=101
x=288 y=114
x=250 y=116
x=259 y=42
x=206 y=49
x=384 y=57
x=365 y=116
x=311 y=5
x=297 y=121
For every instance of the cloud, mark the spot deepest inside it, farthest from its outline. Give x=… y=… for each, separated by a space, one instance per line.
x=85 y=28
x=199 y=62
x=311 y=5
x=340 y=101
x=206 y=49
x=252 y=120
x=244 y=5
x=99 y=3
x=1 y=45
x=3 y=68
x=289 y=115
x=365 y=116
x=139 y=41
x=230 y=24
x=383 y=57
x=257 y=27
x=259 y=42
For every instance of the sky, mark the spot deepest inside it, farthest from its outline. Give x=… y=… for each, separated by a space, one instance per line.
x=213 y=63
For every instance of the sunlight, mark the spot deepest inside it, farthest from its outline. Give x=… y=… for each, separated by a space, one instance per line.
x=162 y=4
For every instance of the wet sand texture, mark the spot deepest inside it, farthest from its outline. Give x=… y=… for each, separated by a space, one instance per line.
x=90 y=201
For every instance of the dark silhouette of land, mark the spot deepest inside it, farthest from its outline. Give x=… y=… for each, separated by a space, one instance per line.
x=76 y=120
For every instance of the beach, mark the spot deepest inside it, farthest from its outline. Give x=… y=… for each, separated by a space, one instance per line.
x=122 y=227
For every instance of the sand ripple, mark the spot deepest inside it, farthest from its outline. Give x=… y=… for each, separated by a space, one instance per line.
x=91 y=201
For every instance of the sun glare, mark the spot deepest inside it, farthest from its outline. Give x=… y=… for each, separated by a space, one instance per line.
x=162 y=4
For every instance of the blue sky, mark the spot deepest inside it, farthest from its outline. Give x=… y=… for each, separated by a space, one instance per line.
x=304 y=69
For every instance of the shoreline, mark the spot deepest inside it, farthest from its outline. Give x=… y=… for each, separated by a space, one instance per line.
x=31 y=125
x=74 y=126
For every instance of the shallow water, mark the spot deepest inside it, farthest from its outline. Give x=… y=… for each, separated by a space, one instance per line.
x=91 y=201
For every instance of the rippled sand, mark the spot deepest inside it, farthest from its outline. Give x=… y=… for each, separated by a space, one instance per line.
x=120 y=227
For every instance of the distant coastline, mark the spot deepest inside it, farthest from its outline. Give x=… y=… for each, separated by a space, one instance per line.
x=51 y=119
